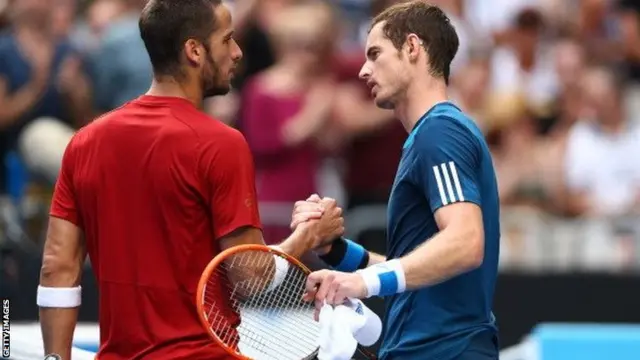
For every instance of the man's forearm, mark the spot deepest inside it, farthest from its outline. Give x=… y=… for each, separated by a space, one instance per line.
x=444 y=256
x=59 y=298
x=57 y=327
x=295 y=245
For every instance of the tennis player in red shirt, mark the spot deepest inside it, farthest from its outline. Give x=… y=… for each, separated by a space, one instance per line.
x=152 y=192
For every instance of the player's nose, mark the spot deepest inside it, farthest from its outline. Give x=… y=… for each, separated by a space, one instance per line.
x=365 y=72
x=236 y=53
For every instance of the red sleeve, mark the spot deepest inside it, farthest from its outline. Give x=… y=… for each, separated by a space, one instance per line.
x=229 y=183
x=63 y=204
x=262 y=129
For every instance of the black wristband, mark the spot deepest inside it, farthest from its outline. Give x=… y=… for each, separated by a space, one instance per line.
x=339 y=249
x=337 y=252
x=365 y=261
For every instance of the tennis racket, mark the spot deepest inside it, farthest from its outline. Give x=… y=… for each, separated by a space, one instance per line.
x=250 y=301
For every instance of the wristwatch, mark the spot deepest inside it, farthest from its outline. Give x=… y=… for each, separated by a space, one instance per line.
x=52 y=357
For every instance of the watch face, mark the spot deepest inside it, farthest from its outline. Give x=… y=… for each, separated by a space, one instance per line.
x=52 y=357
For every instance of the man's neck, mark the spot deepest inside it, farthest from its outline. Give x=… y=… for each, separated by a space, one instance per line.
x=168 y=86
x=418 y=100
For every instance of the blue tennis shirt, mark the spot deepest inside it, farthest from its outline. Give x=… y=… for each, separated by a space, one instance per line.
x=445 y=160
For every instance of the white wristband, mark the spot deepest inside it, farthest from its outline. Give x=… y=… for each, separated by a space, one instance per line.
x=53 y=297
x=282 y=267
x=384 y=279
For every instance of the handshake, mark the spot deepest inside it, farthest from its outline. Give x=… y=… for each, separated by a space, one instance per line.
x=317 y=222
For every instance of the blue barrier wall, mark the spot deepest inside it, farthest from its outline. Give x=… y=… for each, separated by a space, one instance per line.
x=588 y=341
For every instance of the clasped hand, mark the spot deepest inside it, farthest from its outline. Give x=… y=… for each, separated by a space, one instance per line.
x=319 y=218
x=332 y=287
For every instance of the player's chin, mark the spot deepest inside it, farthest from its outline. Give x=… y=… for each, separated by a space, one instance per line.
x=381 y=99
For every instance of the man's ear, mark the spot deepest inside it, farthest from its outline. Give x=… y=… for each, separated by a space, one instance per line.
x=193 y=52
x=413 y=45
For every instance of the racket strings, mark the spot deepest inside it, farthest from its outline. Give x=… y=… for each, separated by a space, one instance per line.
x=284 y=303
x=287 y=304
x=275 y=323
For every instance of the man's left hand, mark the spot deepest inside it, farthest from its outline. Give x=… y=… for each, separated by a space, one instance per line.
x=334 y=287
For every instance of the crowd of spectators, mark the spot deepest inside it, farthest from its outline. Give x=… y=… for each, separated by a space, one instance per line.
x=554 y=84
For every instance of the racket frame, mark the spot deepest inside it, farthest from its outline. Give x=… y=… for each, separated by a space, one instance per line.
x=215 y=263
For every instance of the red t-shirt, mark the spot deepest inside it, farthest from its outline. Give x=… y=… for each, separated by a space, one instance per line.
x=153 y=185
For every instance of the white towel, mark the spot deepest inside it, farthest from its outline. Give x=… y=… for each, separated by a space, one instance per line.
x=344 y=327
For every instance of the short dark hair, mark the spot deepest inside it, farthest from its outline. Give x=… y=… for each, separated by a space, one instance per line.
x=165 y=25
x=430 y=24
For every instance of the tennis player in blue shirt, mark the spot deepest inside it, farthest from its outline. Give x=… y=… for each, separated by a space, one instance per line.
x=439 y=275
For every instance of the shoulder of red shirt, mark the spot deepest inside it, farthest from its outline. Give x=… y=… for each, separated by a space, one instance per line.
x=208 y=133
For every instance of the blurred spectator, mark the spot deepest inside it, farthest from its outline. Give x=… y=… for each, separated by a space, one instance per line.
x=253 y=20
x=630 y=26
x=629 y=18
x=354 y=21
x=524 y=171
x=601 y=167
x=4 y=13
x=284 y=110
x=597 y=29
x=469 y=91
x=42 y=87
x=63 y=15
x=121 y=67
x=371 y=138
x=524 y=63
x=455 y=11
x=90 y=28
x=493 y=19
x=561 y=15
x=570 y=64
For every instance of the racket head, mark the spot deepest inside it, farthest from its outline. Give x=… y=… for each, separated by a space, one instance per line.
x=240 y=320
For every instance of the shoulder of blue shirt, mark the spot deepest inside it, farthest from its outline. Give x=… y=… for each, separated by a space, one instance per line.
x=442 y=127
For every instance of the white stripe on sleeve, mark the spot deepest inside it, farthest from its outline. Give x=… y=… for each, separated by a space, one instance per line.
x=443 y=197
x=456 y=180
x=447 y=181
